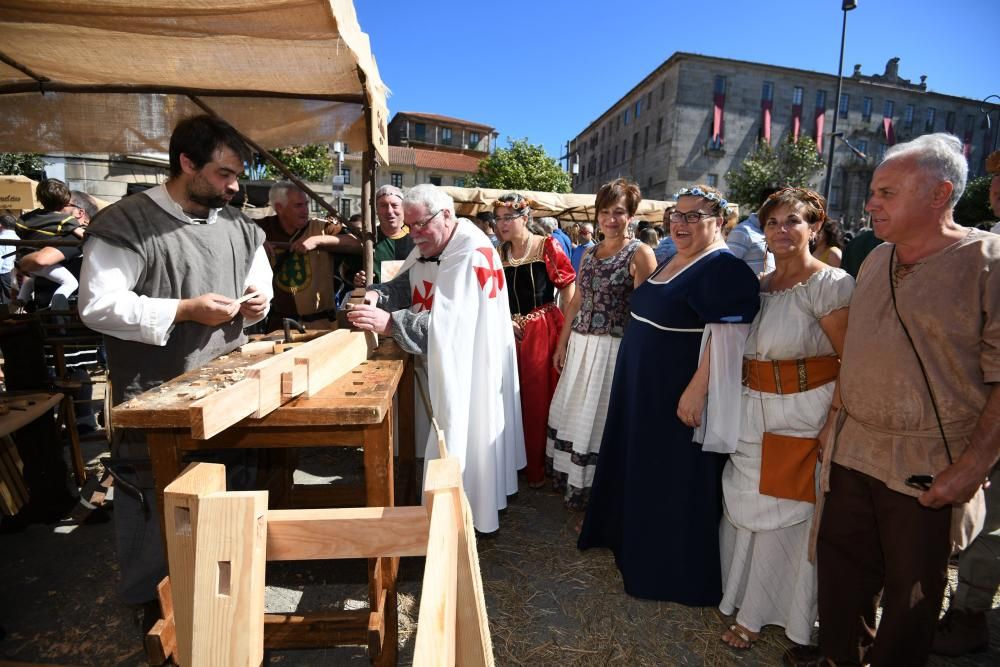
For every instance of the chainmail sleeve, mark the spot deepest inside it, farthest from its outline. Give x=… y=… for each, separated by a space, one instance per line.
x=409 y=330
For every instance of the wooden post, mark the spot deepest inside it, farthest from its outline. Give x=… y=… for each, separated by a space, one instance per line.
x=368 y=166
x=435 y=643
x=216 y=548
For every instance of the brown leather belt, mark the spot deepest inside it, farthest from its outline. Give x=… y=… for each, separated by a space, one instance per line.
x=789 y=376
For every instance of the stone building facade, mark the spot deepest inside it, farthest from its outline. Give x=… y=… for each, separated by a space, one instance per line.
x=696 y=117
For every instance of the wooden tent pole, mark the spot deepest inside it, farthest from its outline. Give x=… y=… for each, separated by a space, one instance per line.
x=368 y=167
x=273 y=160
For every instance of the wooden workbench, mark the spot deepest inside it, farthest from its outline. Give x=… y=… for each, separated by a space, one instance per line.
x=356 y=410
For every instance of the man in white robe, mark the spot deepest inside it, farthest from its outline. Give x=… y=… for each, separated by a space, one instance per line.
x=449 y=305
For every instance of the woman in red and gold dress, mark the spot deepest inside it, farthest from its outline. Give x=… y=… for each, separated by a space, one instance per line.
x=535 y=267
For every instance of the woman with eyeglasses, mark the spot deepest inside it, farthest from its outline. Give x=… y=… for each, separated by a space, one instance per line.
x=588 y=345
x=790 y=370
x=535 y=268
x=656 y=499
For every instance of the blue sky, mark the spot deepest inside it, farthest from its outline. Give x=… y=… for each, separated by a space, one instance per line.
x=544 y=69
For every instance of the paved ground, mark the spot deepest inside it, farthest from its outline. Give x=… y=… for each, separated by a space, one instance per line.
x=548 y=603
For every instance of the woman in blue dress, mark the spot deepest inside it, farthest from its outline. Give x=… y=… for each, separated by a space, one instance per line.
x=656 y=500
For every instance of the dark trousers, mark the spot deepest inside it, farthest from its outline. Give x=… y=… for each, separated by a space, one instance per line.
x=875 y=543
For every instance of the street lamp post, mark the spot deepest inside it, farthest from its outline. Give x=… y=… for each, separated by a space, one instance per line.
x=846 y=6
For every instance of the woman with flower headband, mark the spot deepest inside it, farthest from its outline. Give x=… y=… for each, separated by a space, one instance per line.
x=534 y=267
x=588 y=345
x=790 y=371
x=656 y=499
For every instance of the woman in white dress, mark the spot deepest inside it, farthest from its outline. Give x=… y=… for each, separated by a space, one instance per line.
x=588 y=344
x=767 y=577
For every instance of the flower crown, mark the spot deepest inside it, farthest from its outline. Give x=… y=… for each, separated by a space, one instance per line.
x=698 y=192
x=520 y=203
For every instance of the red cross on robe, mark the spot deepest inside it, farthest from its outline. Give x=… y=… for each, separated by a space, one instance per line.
x=492 y=274
x=423 y=301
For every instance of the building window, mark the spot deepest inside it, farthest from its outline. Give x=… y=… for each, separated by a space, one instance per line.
x=625 y=122
x=835 y=197
x=618 y=124
x=720 y=85
x=345 y=207
x=930 y=120
x=616 y=155
x=473 y=140
x=396 y=179
x=888 y=108
x=435 y=180
x=949 y=122
x=459 y=182
x=645 y=143
x=767 y=92
x=663 y=89
x=649 y=100
x=881 y=151
x=446 y=136
x=420 y=132
x=797 y=96
x=346 y=173
x=821 y=99
x=908 y=117
x=635 y=143
x=624 y=149
x=713 y=181
x=659 y=130
x=866 y=109
x=600 y=164
x=863 y=146
x=845 y=104
x=638 y=109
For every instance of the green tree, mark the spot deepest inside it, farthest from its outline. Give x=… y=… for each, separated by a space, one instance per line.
x=520 y=166
x=792 y=163
x=21 y=164
x=310 y=163
x=973 y=207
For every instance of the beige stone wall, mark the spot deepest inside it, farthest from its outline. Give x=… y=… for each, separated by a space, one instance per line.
x=681 y=157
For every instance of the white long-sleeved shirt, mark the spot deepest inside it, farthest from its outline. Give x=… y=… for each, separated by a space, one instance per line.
x=110 y=273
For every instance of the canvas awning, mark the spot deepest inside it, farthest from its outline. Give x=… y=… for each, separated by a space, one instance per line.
x=114 y=76
x=563 y=207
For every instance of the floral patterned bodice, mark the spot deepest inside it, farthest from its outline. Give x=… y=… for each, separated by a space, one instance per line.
x=605 y=289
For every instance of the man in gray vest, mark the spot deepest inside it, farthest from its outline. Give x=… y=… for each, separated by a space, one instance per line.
x=161 y=276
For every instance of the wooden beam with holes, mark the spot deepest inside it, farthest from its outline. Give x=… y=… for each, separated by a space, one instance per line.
x=273 y=381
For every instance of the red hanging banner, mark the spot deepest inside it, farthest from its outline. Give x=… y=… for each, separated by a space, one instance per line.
x=765 y=106
x=967 y=144
x=796 y=121
x=820 y=122
x=890 y=132
x=719 y=103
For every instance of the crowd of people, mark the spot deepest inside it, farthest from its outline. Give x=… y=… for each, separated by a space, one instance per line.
x=827 y=433
x=829 y=414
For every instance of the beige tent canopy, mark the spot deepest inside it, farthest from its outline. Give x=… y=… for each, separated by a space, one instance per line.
x=563 y=207
x=114 y=75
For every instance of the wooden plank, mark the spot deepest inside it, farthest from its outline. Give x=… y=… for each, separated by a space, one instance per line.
x=361 y=396
x=473 y=642
x=376 y=626
x=216 y=412
x=230 y=537
x=161 y=640
x=339 y=352
x=435 y=644
x=316 y=630
x=181 y=504
x=357 y=532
